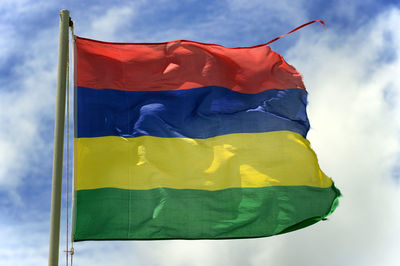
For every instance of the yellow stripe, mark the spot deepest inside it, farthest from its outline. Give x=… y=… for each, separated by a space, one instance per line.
x=280 y=158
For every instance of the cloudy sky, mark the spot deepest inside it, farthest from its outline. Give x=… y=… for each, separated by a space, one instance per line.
x=350 y=69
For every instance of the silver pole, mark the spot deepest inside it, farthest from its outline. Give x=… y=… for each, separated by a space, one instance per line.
x=59 y=139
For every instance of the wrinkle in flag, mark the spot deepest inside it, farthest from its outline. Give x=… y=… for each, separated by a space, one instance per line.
x=186 y=140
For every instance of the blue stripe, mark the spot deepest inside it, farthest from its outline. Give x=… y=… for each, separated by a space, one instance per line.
x=194 y=113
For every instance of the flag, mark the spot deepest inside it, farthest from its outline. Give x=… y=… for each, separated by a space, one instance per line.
x=188 y=140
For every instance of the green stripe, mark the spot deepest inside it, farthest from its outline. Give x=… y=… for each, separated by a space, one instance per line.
x=165 y=213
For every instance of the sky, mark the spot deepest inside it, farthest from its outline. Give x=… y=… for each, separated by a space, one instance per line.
x=350 y=69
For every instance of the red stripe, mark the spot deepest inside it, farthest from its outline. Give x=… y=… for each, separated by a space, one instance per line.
x=179 y=65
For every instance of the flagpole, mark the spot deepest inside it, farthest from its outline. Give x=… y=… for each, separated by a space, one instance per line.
x=59 y=139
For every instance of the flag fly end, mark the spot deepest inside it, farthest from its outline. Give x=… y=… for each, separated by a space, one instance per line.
x=295 y=29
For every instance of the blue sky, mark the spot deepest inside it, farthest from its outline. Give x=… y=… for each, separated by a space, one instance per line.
x=350 y=70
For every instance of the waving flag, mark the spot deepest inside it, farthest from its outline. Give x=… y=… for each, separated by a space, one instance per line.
x=186 y=140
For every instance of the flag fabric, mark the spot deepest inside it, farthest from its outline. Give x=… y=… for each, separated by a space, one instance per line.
x=187 y=140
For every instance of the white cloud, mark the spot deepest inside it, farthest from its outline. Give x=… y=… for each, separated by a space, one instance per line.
x=356 y=135
x=26 y=104
x=23 y=244
x=105 y=24
x=7 y=42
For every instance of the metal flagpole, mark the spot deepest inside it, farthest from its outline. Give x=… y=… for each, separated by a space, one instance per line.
x=59 y=139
